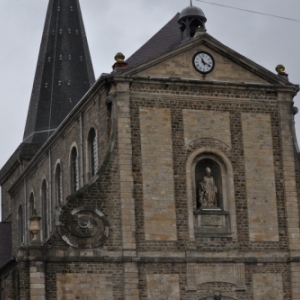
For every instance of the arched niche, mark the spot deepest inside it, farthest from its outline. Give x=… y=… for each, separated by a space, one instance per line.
x=222 y=172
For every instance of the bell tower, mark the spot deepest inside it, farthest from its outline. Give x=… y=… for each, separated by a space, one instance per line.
x=191 y=19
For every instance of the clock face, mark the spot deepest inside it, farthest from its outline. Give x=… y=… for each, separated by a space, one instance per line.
x=203 y=62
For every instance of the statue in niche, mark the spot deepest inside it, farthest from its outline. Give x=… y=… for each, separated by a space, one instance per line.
x=208 y=190
x=218 y=296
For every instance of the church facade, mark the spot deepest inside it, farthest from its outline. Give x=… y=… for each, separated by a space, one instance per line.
x=174 y=177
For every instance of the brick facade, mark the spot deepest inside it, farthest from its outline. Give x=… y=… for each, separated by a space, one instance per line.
x=132 y=230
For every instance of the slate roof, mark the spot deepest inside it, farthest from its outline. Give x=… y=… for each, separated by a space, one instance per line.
x=5 y=244
x=166 y=39
x=64 y=70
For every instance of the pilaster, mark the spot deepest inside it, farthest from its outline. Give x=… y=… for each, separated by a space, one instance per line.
x=37 y=280
x=289 y=177
x=125 y=166
x=289 y=173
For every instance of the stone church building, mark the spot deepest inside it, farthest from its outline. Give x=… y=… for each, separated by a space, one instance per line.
x=176 y=176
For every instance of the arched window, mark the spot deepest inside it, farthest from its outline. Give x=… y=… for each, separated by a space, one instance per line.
x=58 y=183
x=45 y=211
x=21 y=225
x=93 y=152
x=74 y=170
x=109 y=116
x=31 y=204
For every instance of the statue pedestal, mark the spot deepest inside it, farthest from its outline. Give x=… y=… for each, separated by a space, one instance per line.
x=212 y=221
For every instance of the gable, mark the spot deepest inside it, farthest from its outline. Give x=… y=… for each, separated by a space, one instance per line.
x=181 y=65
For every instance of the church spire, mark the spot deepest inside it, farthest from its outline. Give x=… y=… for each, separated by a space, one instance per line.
x=64 y=70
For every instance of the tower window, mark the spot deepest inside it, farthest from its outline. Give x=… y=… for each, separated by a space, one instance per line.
x=45 y=211
x=31 y=204
x=74 y=170
x=58 y=185
x=93 y=152
x=21 y=225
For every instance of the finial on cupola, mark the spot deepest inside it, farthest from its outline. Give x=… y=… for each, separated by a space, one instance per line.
x=191 y=2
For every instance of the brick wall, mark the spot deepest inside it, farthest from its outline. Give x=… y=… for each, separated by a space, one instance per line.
x=203 y=99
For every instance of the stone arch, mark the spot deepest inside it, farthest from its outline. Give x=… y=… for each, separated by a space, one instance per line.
x=226 y=181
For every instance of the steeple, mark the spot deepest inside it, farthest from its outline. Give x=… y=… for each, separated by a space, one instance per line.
x=64 y=70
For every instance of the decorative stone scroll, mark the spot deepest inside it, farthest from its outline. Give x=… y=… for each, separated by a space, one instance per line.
x=84 y=227
x=198 y=274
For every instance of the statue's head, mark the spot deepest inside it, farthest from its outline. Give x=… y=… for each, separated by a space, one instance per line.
x=208 y=171
x=218 y=296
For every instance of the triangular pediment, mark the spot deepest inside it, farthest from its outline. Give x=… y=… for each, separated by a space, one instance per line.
x=229 y=66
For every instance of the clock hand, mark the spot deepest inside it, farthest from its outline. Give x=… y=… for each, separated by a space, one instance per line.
x=205 y=63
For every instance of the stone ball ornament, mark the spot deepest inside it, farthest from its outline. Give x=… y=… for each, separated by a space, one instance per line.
x=83 y=227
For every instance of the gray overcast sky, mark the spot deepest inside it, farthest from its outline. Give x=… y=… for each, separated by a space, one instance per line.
x=123 y=25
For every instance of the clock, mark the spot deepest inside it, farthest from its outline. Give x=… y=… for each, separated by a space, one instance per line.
x=203 y=62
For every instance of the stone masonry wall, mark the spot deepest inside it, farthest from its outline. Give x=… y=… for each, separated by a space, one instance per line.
x=206 y=124
x=7 y=283
x=75 y=280
x=6 y=201
x=172 y=276
x=160 y=267
x=209 y=101
x=158 y=189
x=180 y=65
x=93 y=116
x=260 y=181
